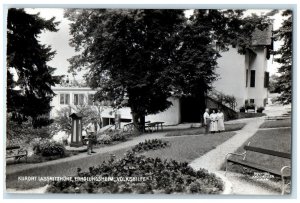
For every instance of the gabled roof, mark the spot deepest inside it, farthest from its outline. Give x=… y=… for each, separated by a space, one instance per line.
x=262 y=37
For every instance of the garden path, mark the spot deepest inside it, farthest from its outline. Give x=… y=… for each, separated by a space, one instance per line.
x=130 y=143
x=233 y=180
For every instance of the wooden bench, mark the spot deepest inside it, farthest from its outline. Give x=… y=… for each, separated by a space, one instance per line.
x=274 y=171
x=129 y=127
x=154 y=126
x=16 y=152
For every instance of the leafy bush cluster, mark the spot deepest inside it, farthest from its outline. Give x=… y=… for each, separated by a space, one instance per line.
x=260 y=109
x=150 y=145
x=113 y=136
x=164 y=177
x=19 y=134
x=45 y=147
x=104 y=139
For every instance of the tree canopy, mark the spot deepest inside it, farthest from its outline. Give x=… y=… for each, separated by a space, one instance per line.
x=29 y=78
x=140 y=58
x=283 y=83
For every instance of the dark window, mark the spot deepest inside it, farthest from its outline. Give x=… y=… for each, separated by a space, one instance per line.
x=64 y=98
x=81 y=99
x=252 y=78
x=246 y=78
x=75 y=99
x=78 y=99
x=266 y=81
x=67 y=98
x=251 y=101
x=90 y=99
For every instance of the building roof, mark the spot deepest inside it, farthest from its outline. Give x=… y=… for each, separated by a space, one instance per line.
x=76 y=115
x=262 y=37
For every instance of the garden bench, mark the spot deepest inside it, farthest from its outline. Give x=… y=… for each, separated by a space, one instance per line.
x=16 y=152
x=129 y=127
x=274 y=171
x=154 y=126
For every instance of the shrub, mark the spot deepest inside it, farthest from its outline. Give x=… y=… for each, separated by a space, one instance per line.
x=250 y=106
x=104 y=139
x=250 y=115
x=45 y=147
x=163 y=176
x=150 y=145
x=242 y=109
x=260 y=109
x=118 y=135
x=19 y=134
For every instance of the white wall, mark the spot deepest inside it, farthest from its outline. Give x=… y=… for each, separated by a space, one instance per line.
x=232 y=68
x=232 y=75
x=171 y=116
x=259 y=64
x=55 y=103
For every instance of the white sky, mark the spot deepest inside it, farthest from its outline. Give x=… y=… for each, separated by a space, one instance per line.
x=60 y=40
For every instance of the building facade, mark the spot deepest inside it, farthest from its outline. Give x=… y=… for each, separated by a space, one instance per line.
x=73 y=96
x=243 y=76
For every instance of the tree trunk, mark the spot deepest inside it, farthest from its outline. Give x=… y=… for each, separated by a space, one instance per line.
x=138 y=122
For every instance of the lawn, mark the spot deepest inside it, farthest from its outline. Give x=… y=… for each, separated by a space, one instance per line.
x=197 y=131
x=274 y=139
x=277 y=123
x=188 y=148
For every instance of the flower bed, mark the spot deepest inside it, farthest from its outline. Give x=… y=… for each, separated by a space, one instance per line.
x=164 y=177
x=150 y=145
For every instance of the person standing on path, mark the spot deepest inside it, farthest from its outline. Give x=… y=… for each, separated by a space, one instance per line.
x=220 y=116
x=91 y=131
x=206 y=120
x=214 y=122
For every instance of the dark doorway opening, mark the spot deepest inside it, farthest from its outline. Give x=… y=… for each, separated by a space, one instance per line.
x=190 y=110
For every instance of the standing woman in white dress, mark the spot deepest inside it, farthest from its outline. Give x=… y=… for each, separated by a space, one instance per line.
x=220 y=116
x=214 y=122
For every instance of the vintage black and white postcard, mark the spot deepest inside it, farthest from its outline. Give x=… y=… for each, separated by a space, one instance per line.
x=149 y=101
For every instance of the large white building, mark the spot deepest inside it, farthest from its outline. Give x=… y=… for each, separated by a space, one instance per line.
x=72 y=96
x=243 y=76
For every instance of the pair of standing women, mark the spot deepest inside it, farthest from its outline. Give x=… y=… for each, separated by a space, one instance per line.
x=217 y=121
x=213 y=122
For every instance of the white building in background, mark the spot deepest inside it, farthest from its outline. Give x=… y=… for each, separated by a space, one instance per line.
x=72 y=96
x=243 y=76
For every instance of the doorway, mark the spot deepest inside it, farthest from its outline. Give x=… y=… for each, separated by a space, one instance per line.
x=190 y=110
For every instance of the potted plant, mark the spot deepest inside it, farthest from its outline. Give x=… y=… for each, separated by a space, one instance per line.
x=242 y=109
x=260 y=109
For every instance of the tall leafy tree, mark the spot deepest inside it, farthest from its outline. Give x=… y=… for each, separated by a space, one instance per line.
x=139 y=58
x=284 y=81
x=29 y=78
